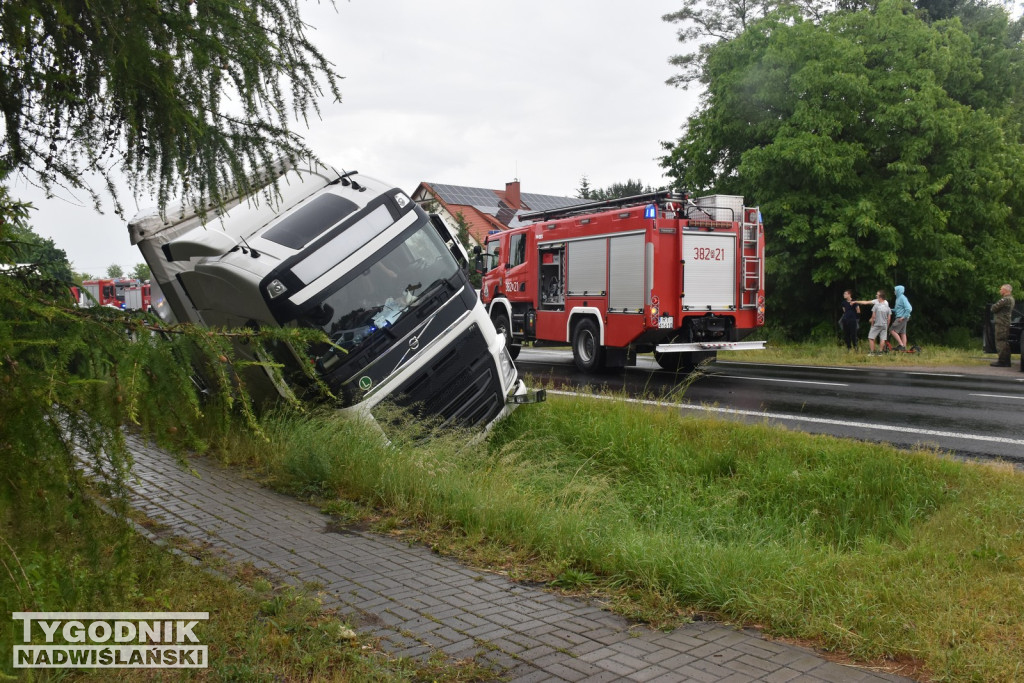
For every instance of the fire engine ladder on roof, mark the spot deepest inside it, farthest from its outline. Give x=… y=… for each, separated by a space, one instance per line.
x=604 y=205
x=752 y=263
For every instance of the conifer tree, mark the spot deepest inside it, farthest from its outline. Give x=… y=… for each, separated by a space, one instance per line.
x=183 y=98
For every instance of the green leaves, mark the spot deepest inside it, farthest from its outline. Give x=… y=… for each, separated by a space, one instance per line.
x=187 y=98
x=861 y=140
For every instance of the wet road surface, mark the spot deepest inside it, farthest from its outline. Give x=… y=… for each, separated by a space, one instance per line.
x=971 y=413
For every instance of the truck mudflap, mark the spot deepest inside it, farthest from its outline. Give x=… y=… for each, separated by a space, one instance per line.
x=710 y=346
x=522 y=394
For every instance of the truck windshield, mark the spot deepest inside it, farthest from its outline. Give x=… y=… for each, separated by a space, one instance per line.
x=373 y=301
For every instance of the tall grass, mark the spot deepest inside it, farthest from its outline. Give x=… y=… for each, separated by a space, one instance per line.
x=858 y=547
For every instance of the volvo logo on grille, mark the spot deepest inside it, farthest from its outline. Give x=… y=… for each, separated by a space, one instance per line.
x=414 y=343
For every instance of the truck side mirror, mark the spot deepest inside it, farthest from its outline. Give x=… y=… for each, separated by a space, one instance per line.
x=478 y=262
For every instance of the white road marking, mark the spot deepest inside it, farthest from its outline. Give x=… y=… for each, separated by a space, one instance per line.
x=1019 y=398
x=774 y=379
x=783 y=365
x=800 y=418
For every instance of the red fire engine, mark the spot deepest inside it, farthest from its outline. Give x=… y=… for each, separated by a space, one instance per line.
x=657 y=272
x=125 y=293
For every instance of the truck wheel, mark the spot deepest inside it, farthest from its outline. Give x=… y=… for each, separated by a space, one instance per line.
x=683 y=362
x=504 y=328
x=674 y=361
x=587 y=351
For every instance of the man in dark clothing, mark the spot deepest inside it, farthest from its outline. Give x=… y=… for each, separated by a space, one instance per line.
x=1001 y=311
x=850 y=320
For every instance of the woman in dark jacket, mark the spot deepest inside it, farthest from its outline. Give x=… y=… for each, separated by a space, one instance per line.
x=850 y=320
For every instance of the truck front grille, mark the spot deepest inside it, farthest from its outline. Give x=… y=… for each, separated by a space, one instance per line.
x=459 y=387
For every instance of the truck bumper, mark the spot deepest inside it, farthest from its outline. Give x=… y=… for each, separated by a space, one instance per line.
x=521 y=394
x=710 y=346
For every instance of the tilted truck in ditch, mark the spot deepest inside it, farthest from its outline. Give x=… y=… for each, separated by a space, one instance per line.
x=357 y=259
x=655 y=272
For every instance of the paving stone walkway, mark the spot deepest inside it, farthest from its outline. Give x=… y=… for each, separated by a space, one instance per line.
x=419 y=603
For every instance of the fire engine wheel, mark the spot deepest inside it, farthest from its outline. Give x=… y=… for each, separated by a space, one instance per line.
x=683 y=362
x=504 y=328
x=587 y=351
x=675 y=362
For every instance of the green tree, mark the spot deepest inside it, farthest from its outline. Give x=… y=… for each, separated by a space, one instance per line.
x=141 y=272
x=183 y=98
x=584 y=191
x=464 y=238
x=114 y=270
x=858 y=138
x=626 y=189
x=613 y=191
x=20 y=246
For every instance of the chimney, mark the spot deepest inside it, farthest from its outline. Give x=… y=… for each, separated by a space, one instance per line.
x=512 y=195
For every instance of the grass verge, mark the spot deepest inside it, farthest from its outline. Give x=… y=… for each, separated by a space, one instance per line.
x=900 y=558
x=78 y=558
x=811 y=353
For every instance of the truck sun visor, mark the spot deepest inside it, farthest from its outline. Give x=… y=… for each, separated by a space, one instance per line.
x=296 y=230
x=342 y=245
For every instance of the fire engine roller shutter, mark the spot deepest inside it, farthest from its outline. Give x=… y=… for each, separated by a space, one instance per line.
x=710 y=271
x=588 y=267
x=626 y=288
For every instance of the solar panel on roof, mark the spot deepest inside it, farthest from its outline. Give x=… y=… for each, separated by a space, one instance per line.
x=546 y=202
x=466 y=196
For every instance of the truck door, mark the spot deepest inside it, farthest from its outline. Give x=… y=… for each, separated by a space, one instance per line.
x=516 y=276
x=709 y=271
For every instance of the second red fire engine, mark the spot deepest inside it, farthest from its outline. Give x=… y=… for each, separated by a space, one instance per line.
x=656 y=272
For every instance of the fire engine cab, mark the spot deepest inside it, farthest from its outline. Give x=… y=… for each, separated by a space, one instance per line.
x=655 y=272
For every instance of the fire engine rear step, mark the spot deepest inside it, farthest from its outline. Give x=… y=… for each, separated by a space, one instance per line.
x=711 y=346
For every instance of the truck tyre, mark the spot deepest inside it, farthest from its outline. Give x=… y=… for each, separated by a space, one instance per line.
x=587 y=351
x=683 y=362
x=504 y=328
x=675 y=362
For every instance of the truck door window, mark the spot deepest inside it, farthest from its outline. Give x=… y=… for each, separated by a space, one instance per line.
x=517 y=250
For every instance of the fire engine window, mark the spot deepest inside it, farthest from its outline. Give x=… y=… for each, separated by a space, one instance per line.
x=492 y=255
x=517 y=249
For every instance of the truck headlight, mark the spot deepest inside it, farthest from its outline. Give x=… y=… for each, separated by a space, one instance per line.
x=508 y=368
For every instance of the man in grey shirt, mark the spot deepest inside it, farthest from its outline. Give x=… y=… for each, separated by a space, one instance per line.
x=880 y=316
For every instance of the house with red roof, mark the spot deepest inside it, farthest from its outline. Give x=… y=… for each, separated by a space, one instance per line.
x=482 y=209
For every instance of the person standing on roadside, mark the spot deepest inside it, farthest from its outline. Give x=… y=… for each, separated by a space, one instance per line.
x=881 y=314
x=850 y=320
x=901 y=311
x=1002 y=311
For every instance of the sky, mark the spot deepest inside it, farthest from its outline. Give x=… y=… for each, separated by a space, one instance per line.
x=464 y=92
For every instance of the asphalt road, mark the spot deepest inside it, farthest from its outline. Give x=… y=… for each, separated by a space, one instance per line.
x=975 y=413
